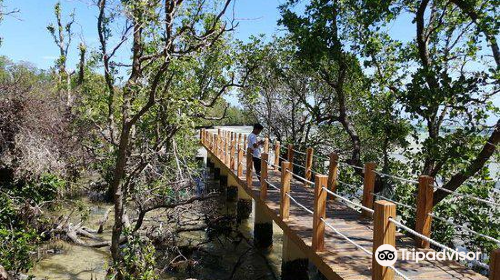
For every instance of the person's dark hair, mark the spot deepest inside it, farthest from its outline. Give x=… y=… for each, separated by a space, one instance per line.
x=258 y=126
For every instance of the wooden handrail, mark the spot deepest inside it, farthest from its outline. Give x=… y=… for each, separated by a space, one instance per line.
x=495 y=265
x=368 y=187
x=332 y=173
x=244 y=141
x=318 y=238
x=384 y=232
x=240 y=162
x=290 y=154
x=233 y=152
x=249 y=168
x=424 y=209
x=309 y=164
x=285 y=188
x=277 y=153
x=263 y=175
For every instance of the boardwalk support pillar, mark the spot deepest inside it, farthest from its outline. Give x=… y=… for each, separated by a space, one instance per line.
x=263 y=229
x=244 y=207
x=216 y=173
x=295 y=265
x=232 y=190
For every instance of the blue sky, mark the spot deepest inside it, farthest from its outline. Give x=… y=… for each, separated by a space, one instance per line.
x=25 y=37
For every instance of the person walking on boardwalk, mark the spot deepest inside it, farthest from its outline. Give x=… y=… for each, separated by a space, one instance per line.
x=254 y=143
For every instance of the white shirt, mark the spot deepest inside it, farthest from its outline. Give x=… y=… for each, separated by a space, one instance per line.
x=252 y=139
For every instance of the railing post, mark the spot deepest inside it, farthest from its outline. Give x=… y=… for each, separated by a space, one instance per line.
x=222 y=147
x=290 y=153
x=384 y=232
x=240 y=162
x=249 y=168
x=277 y=153
x=266 y=145
x=202 y=133
x=309 y=163
x=495 y=265
x=227 y=158
x=263 y=175
x=285 y=188
x=424 y=209
x=369 y=187
x=244 y=141
x=233 y=154
x=211 y=137
x=332 y=173
x=219 y=145
x=216 y=145
x=318 y=238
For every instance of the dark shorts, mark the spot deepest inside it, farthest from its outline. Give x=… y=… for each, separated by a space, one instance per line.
x=256 y=165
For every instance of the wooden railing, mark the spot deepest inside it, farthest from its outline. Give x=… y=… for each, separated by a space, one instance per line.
x=382 y=211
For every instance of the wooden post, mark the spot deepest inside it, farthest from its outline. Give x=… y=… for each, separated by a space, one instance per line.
x=290 y=153
x=318 y=238
x=384 y=232
x=239 y=139
x=285 y=188
x=202 y=133
x=266 y=145
x=369 y=187
x=233 y=152
x=227 y=158
x=244 y=141
x=219 y=142
x=212 y=138
x=216 y=145
x=277 y=153
x=495 y=265
x=309 y=163
x=222 y=147
x=249 y=168
x=332 y=173
x=240 y=162
x=263 y=175
x=424 y=208
x=211 y=145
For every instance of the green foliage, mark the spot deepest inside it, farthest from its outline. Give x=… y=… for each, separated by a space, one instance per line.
x=7 y=214
x=46 y=188
x=138 y=259
x=16 y=247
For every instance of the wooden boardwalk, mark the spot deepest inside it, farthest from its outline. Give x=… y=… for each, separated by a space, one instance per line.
x=340 y=259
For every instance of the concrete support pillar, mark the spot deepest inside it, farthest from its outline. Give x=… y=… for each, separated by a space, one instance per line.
x=216 y=173
x=294 y=264
x=223 y=183
x=244 y=205
x=232 y=190
x=210 y=163
x=263 y=229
